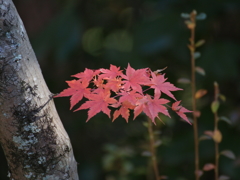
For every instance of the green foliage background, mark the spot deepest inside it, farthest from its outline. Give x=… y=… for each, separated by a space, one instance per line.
x=70 y=35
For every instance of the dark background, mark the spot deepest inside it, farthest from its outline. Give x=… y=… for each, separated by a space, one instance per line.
x=70 y=35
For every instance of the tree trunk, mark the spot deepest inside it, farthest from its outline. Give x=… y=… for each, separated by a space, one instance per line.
x=32 y=136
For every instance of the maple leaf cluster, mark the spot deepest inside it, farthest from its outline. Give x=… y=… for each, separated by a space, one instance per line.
x=104 y=88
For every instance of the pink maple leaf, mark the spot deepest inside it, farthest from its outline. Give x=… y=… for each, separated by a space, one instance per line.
x=159 y=85
x=151 y=107
x=131 y=96
x=111 y=73
x=98 y=102
x=87 y=75
x=98 y=82
x=128 y=93
x=114 y=84
x=77 y=90
x=135 y=78
x=180 y=111
x=123 y=111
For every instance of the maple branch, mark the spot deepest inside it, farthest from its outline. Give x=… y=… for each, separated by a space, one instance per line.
x=152 y=149
x=146 y=89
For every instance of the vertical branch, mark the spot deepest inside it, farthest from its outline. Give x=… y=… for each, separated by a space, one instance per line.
x=216 y=94
x=192 y=25
x=152 y=149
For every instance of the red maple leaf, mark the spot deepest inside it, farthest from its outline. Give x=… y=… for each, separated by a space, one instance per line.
x=128 y=90
x=98 y=102
x=114 y=84
x=77 y=90
x=98 y=82
x=87 y=75
x=180 y=110
x=111 y=73
x=135 y=78
x=123 y=111
x=131 y=96
x=151 y=107
x=159 y=85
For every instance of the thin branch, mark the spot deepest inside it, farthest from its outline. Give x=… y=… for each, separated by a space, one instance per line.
x=216 y=95
x=152 y=149
x=192 y=26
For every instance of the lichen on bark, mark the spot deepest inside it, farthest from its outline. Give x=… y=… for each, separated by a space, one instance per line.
x=32 y=136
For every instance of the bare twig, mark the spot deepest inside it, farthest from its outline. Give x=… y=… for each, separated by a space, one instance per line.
x=192 y=25
x=152 y=149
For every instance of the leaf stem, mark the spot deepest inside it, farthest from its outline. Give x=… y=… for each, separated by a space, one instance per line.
x=152 y=149
x=193 y=85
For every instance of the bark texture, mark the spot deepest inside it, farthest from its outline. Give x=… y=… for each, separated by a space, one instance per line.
x=31 y=133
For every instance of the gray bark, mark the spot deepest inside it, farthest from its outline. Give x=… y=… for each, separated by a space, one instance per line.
x=32 y=136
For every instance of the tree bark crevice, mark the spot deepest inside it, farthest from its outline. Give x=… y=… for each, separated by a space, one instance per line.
x=32 y=136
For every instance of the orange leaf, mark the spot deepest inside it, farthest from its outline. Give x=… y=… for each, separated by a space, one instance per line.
x=190 y=24
x=191 y=48
x=217 y=136
x=200 y=93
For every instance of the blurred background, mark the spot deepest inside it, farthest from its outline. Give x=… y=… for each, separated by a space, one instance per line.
x=71 y=35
